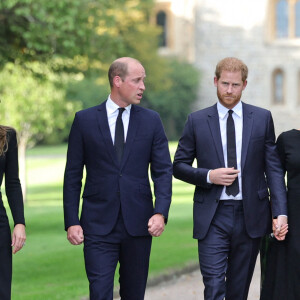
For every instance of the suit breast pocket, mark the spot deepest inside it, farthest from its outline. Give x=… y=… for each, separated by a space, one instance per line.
x=257 y=145
x=141 y=148
x=143 y=138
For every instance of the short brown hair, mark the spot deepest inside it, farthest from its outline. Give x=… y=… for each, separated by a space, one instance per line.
x=117 y=68
x=232 y=64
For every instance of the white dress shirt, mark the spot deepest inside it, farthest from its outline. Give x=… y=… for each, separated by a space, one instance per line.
x=112 y=114
x=238 y=124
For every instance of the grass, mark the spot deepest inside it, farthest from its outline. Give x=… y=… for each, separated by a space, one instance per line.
x=49 y=267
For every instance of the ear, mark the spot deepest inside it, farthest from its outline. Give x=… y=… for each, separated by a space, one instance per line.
x=117 y=81
x=215 y=81
x=245 y=84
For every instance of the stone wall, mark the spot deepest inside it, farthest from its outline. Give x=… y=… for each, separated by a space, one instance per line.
x=205 y=31
x=240 y=29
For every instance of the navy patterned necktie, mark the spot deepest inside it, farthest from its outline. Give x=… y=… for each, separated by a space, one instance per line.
x=232 y=189
x=119 y=135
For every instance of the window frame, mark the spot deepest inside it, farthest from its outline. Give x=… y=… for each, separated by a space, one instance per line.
x=275 y=73
x=291 y=21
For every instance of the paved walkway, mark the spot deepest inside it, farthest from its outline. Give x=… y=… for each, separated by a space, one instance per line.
x=190 y=287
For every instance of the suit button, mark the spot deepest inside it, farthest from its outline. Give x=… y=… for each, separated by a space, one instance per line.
x=120 y=174
x=217 y=200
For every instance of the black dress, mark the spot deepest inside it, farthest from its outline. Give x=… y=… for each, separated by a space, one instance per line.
x=282 y=270
x=9 y=168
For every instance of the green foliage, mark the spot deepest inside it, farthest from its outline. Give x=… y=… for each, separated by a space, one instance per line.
x=33 y=101
x=174 y=100
x=37 y=29
x=102 y=30
x=90 y=91
x=59 y=52
x=67 y=37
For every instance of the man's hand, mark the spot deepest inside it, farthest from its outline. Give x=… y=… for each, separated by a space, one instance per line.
x=280 y=227
x=223 y=176
x=75 y=235
x=18 y=238
x=156 y=225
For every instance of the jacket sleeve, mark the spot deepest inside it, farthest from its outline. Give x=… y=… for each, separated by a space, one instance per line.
x=274 y=172
x=161 y=170
x=184 y=157
x=12 y=182
x=73 y=175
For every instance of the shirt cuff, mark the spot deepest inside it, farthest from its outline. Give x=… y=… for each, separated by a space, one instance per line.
x=207 y=177
x=280 y=216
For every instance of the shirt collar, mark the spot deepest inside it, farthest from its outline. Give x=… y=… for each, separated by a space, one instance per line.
x=222 y=110
x=112 y=107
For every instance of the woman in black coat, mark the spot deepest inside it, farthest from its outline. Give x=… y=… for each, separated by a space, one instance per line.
x=281 y=260
x=10 y=243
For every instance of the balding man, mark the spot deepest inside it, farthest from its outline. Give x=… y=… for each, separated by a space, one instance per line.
x=116 y=142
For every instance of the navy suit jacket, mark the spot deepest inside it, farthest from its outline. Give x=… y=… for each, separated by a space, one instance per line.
x=111 y=186
x=261 y=171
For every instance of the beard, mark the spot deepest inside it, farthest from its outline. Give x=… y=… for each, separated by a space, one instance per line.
x=228 y=99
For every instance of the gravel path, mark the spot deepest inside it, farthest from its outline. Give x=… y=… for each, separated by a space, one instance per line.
x=190 y=287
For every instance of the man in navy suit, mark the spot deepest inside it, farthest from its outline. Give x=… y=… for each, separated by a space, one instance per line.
x=117 y=142
x=239 y=183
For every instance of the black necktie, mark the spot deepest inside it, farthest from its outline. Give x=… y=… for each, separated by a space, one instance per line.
x=119 y=135
x=232 y=189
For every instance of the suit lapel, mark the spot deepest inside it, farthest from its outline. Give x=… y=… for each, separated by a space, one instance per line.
x=105 y=131
x=247 y=129
x=214 y=125
x=131 y=133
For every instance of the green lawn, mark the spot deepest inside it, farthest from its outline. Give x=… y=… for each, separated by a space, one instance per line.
x=49 y=267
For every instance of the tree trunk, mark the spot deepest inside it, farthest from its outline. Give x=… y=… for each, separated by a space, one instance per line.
x=22 y=165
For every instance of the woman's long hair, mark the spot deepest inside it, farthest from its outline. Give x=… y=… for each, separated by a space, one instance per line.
x=3 y=139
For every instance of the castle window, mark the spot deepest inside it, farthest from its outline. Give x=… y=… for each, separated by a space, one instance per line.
x=297 y=10
x=282 y=19
x=278 y=87
x=161 y=21
x=286 y=19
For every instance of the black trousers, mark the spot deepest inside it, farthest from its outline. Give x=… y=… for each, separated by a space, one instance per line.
x=5 y=260
x=102 y=253
x=227 y=255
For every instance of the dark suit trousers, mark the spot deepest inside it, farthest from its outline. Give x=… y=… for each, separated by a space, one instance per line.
x=102 y=253
x=5 y=261
x=227 y=255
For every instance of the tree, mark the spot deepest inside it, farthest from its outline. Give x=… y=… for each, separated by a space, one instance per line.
x=101 y=30
x=46 y=43
x=38 y=29
x=79 y=35
x=34 y=104
x=56 y=53
x=174 y=100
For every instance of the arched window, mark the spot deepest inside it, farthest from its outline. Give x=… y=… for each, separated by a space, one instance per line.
x=278 y=86
x=161 y=20
x=282 y=26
